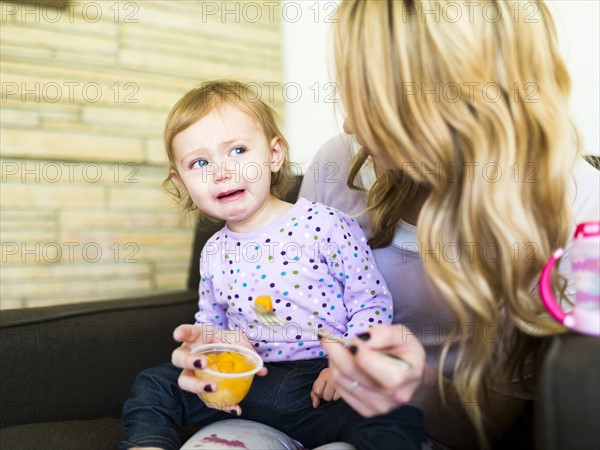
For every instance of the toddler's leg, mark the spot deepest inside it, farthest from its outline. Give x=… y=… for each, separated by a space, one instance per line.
x=157 y=408
x=338 y=422
x=401 y=428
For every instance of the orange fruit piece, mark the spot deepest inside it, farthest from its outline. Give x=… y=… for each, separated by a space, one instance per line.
x=228 y=362
x=265 y=302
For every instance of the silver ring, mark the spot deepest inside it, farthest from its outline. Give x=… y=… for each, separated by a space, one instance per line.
x=353 y=386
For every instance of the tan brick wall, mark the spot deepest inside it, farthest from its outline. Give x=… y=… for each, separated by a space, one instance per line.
x=85 y=91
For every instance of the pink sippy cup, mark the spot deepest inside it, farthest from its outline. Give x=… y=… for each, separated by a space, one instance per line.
x=585 y=264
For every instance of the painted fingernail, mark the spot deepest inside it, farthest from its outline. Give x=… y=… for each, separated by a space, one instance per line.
x=364 y=336
x=208 y=388
x=353 y=349
x=198 y=364
x=233 y=411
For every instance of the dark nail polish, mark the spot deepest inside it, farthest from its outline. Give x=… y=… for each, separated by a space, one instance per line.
x=208 y=388
x=353 y=349
x=233 y=411
x=364 y=336
x=198 y=364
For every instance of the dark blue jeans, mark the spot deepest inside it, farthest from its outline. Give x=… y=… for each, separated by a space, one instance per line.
x=157 y=409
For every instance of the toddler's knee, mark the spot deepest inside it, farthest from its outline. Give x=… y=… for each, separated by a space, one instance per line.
x=161 y=376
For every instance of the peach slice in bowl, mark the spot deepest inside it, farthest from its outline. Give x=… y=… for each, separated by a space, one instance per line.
x=231 y=367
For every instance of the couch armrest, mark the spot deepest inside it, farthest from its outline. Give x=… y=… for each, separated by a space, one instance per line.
x=79 y=361
x=568 y=401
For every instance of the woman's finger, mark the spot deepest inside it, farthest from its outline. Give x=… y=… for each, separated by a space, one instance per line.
x=339 y=356
x=385 y=372
x=364 y=400
x=344 y=363
x=382 y=336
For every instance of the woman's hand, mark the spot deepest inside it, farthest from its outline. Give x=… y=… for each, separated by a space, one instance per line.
x=370 y=383
x=191 y=336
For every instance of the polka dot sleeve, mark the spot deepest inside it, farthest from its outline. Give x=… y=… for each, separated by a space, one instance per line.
x=350 y=261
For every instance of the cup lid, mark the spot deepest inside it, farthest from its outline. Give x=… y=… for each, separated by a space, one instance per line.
x=588 y=229
x=224 y=347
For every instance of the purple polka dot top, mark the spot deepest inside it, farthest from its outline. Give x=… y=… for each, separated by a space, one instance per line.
x=317 y=267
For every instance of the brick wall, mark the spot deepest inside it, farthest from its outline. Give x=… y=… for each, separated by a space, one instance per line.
x=85 y=91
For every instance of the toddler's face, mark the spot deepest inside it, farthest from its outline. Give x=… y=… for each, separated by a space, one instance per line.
x=224 y=160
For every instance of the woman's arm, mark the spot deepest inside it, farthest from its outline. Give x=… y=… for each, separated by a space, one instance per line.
x=383 y=387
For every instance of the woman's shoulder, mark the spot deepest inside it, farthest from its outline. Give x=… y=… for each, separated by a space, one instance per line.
x=338 y=150
x=325 y=179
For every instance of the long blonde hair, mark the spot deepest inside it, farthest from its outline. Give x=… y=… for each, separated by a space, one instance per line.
x=472 y=105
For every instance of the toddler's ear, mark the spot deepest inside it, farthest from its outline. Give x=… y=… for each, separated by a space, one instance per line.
x=277 y=154
x=176 y=179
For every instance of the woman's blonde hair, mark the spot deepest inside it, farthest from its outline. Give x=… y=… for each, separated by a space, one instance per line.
x=203 y=99
x=471 y=105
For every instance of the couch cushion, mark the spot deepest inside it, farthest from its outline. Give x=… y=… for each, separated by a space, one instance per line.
x=79 y=362
x=568 y=402
x=98 y=434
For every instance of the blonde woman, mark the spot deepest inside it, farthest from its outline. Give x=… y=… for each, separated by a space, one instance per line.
x=463 y=109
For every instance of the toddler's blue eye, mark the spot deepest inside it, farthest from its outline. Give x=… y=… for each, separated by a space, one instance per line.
x=199 y=163
x=238 y=151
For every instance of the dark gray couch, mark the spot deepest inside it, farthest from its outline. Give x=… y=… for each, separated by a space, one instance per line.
x=66 y=371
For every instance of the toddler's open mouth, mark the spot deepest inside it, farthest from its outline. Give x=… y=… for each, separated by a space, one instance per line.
x=230 y=194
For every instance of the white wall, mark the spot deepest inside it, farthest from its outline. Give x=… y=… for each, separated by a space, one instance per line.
x=306 y=59
x=312 y=119
x=579 y=37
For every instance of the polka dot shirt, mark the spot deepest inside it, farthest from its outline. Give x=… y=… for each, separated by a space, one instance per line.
x=317 y=267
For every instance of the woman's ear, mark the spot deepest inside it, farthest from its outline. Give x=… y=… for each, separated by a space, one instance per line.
x=277 y=154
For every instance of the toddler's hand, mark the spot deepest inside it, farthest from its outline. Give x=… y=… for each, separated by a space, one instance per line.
x=323 y=388
x=192 y=335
